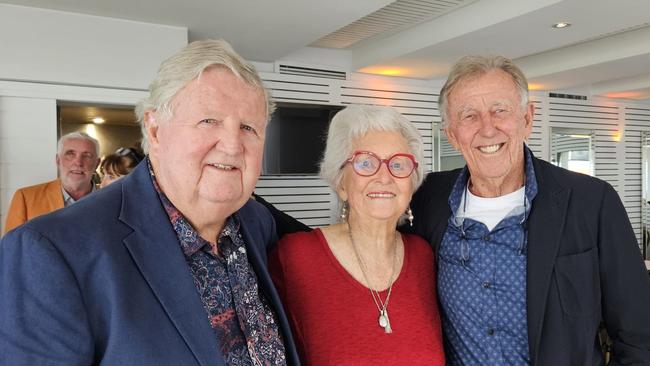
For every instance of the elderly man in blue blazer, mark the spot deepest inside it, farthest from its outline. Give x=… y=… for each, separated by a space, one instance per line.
x=532 y=258
x=167 y=266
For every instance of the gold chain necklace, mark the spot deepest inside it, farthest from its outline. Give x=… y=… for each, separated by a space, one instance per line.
x=382 y=306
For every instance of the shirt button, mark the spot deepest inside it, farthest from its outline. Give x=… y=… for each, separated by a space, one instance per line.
x=490 y=332
x=486 y=238
x=487 y=284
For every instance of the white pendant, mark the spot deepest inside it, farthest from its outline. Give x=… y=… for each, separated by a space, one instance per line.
x=384 y=321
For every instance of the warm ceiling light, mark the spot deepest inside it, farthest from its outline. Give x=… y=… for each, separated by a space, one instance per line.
x=91 y=130
x=390 y=72
x=535 y=86
x=561 y=25
x=630 y=94
x=98 y=120
x=385 y=70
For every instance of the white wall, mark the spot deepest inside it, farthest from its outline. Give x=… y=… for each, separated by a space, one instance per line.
x=58 y=47
x=25 y=145
x=48 y=56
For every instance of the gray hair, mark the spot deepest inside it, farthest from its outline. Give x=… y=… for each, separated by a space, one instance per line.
x=188 y=64
x=356 y=121
x=474 y=66
x=78 y=135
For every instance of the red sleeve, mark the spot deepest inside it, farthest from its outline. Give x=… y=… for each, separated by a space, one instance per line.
x=279 y=258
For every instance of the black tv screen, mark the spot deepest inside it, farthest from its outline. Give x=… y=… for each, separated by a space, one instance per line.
x=295 y=138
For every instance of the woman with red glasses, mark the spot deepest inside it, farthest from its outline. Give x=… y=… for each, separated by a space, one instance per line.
x=359 y=292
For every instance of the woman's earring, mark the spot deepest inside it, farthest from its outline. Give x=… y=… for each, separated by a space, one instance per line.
x=344 y=210
x=411 y=217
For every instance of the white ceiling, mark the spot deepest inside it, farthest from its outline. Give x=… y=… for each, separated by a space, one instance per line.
x=606 y=51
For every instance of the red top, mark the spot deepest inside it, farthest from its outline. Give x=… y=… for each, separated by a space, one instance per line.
x=333 y=317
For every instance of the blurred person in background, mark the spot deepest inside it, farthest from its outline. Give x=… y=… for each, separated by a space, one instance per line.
x=76 y=161
x=117 y=165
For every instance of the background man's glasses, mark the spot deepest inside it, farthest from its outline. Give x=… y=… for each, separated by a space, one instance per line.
x=366 y=163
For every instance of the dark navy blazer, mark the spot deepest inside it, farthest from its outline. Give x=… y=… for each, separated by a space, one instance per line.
x=584 y=267
x=104 y=282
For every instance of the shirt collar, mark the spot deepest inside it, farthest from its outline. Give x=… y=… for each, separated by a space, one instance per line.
x=531 y=184
x=67 y=198
x=190 y=240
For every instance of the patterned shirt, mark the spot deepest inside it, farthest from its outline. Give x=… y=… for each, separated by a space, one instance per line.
x=482 y=282
x=244 y=323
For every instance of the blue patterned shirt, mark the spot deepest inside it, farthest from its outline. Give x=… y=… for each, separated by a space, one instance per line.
x=244 y=323
x=482 y=282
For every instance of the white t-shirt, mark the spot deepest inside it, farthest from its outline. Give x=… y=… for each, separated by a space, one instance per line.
x=490 y=211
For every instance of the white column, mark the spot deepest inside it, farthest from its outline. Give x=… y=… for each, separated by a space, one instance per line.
x=27 y=145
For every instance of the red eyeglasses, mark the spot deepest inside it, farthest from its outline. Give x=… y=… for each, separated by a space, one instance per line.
x=366 y=163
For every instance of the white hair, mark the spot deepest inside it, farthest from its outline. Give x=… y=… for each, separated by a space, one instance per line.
x=188 y=64
x=356 y=121
x=473 y=66
x=78 y=135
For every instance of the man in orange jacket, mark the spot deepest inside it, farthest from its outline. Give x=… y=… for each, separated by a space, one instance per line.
x=76 y=160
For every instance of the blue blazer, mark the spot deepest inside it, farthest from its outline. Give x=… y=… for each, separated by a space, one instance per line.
x=104 y=282
x=583 y=267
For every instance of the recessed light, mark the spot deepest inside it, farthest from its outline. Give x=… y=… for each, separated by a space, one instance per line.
x=98 y=120
x=561 y=25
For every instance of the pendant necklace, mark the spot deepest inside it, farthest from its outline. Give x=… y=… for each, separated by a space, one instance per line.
x=382 y=306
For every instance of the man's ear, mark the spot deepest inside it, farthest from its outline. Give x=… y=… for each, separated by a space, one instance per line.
x=151 y=127
x=528 y=118
x=451 y=138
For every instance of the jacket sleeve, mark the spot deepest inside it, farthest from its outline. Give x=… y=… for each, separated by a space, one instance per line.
x=625 y=285
x=284 y=223
x=42 y=315
x=17 y=213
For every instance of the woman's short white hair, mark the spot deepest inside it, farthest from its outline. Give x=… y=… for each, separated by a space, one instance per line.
x=356 y=121
x=188 y=64
x=77 y=135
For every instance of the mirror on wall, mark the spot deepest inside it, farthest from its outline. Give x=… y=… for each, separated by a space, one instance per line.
x=573 y=149
x=445 y=157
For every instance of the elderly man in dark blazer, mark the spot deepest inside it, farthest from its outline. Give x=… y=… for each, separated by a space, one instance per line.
x=167 y=266
x=532 y=258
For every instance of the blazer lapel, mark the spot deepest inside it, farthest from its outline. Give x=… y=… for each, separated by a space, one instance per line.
x=156 y=252
x=442 y=213
x=439 y=213
x=54 y=196
x=545 y=227
x=258 y=260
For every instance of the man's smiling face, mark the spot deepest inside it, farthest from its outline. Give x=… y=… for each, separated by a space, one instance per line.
x=488 y=124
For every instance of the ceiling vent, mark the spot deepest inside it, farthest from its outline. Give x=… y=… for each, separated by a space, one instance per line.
x=567 y=96
x=315 y=72
x=394 y=17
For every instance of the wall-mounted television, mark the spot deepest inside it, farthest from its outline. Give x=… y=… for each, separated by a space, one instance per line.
x=295 y=138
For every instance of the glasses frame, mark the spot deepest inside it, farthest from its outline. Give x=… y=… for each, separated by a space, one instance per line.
x=381 y=161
